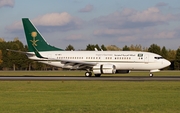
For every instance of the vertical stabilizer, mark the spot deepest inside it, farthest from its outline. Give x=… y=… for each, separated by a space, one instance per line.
x=35 y=39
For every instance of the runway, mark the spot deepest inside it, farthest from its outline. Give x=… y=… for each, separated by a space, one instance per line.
x=80 y=78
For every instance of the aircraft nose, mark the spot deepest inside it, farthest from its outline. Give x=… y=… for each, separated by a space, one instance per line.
x=167 y=63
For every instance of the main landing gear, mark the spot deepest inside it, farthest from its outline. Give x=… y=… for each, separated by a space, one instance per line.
x=89 y=74
x=97 y=75
x=151 y=75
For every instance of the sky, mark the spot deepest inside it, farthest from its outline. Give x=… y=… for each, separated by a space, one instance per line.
x=83 y=22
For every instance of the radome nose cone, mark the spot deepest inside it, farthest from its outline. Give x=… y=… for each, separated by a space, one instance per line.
x=168 y=63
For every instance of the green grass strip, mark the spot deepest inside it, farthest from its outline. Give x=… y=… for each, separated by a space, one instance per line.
x=89 y=97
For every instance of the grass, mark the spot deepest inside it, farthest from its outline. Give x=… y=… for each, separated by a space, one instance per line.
x=81 y=73
x=89 y=97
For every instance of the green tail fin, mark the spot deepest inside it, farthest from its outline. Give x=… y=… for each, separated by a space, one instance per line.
x=35 y=39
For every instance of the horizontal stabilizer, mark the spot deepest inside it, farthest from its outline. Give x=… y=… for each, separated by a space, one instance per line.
x=22 y=52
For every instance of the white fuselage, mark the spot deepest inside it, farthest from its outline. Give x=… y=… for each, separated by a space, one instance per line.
x=123 y=60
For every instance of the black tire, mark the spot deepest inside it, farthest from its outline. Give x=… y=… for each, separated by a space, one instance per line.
x=97 y=75
x=88 y=74
x=151 y=75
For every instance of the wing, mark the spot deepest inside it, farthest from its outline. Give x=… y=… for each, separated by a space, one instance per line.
x=77 y=64
x=68 y=63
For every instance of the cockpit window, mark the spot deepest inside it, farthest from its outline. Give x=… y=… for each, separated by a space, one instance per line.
x=140 y=55
x=158 y=57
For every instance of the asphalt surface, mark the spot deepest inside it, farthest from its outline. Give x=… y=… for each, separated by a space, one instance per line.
x=80 y=78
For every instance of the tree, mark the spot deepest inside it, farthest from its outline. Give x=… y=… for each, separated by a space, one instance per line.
x=135 y=48
x=145 y=49
x=177 y=60
x=2 y=40
x=171 y=55
x=13 y=60
x=69 y=48
x=97 y=47
x=154 y=48
x=126 y=48
x=164 y=52
x=16 y=39
x=15 y=57
x=91 y=47
x=113 y=48
x=103 y=48
x=1 y=57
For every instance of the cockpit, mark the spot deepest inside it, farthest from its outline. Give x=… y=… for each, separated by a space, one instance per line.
x=158 y=58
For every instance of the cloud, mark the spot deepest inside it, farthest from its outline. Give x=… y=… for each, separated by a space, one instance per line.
x=120 y=27
x=165 y=34
x=87 y=8
x=131 y=25
x=74 y=37
x=52 y=21
x=129 y=18
x=115 y=32
x=6 y=3
x=147 y=36
x=128 y=35
x=161 y=4
x=16 y=26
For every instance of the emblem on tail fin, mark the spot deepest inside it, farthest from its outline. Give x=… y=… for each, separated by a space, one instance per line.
x=34 y=35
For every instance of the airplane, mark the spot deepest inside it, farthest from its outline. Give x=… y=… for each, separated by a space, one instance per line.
x=97 y=62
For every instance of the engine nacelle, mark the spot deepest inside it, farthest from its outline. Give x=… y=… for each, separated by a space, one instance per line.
x=104 y=69
x=123 y=71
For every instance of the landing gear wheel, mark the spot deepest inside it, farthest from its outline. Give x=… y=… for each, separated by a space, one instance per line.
x=151 y=75
x=88 y=74
x=97 y=75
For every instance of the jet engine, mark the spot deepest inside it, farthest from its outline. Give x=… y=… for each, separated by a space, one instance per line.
x=104 y=69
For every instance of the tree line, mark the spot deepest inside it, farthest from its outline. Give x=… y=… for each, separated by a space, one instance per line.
x=17 y=61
